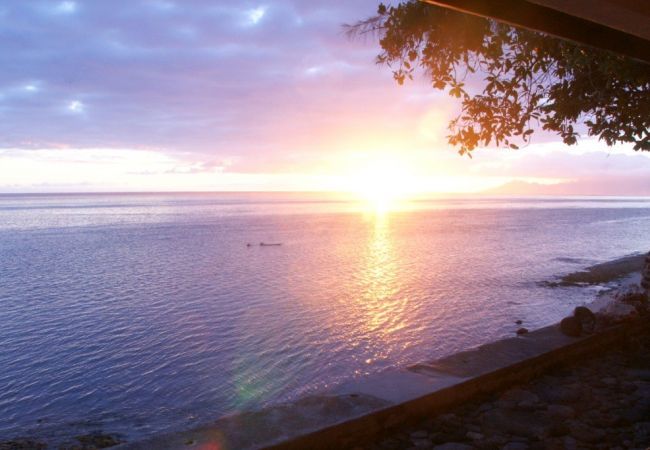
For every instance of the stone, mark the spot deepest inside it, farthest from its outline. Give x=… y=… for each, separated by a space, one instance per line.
x=610 y=381
x=453 y=446
x=586 y=318
x=486 y=407
x=642 y=431
x=494 y=441
x=571 y=326
x=515 y=446
x=553 y=444
x=449 y=418
x=22 y=444
x=639 y=374
x=521 y=331
x=558 y=430
x=527 y=405
x=420 y=434
x=618 y=312
x=585 y=433
x=519 y=423
x=474 y=436
x=569 y=443
x=560 y=393
x=518 y=395
x=390 y=444
x=97 y=440
x=632 y=294
x=422 y=443
x=561 y=411
x=582 y=312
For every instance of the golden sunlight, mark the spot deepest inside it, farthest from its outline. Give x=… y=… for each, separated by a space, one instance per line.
x=383 y=184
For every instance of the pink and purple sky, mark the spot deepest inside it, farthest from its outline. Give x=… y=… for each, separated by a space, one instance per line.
x=150 y=95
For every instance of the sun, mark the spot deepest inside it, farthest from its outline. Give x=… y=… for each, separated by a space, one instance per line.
x=383 y=185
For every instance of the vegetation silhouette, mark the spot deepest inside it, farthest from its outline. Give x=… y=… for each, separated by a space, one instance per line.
x=511 y=81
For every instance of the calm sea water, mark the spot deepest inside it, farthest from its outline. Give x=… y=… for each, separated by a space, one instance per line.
x=138 y=314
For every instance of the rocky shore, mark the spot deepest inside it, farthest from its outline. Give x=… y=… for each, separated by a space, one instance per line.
x=599 y=403
x=601 y=273
x=602 y=403
x=93 y=441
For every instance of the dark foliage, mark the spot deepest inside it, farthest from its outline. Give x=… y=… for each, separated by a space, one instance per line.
x=511 y=81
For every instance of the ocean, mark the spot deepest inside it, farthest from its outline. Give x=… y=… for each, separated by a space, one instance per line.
x=137 y=314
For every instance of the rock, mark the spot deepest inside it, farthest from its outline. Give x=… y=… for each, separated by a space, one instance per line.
x=474 y=436
x=571 y=326
x=558 y=430
x=639 y=374
x=560 y=394
x=582 y=312
x=553 y=444
x=561 y=411
x=519 y=423
x=486 y=407
x=521 y=331
x=609 y=381
x=390 y=444
x=449 y=418
x=420 y=434
x=569 y=443
x=422 y=443
x=642 y=431
x=518 y=395
x=453 y=446
x=97 y=440
x=586 y=318
x=22 y=444
x=631 y=295
x=515 y=446
x=493 y=442
x=456 y=435
x=527 y=405
x=616 y=312
x=586 y=433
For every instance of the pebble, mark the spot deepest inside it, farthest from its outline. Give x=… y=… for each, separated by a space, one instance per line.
x=420 y=434
x=422 y=443
x=515 y=446
x=453 y=446
x=609 y=381
x=474 y=436
x=603 y=403
x=561 y=411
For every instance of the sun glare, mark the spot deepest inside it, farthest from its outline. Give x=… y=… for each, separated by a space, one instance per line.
x=384 y=185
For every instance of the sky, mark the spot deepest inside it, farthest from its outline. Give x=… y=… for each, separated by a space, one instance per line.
x=200 y=95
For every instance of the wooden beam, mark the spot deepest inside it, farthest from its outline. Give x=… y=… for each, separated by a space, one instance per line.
x=536 y=17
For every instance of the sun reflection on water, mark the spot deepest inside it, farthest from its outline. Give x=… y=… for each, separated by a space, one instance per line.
x=382 y=304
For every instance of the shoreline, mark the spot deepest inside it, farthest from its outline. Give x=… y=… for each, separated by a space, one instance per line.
x=354 y=399
x=386 y=403
x=358 y=403
x=601 y=273
x=602 y=402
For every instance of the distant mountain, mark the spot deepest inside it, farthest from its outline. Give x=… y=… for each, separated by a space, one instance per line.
x=614 y=185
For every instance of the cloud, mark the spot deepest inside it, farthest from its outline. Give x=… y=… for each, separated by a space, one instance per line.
x=183 y=76
x=228 y=88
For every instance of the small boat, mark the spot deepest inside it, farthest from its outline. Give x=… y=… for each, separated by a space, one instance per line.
x=264 y=244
